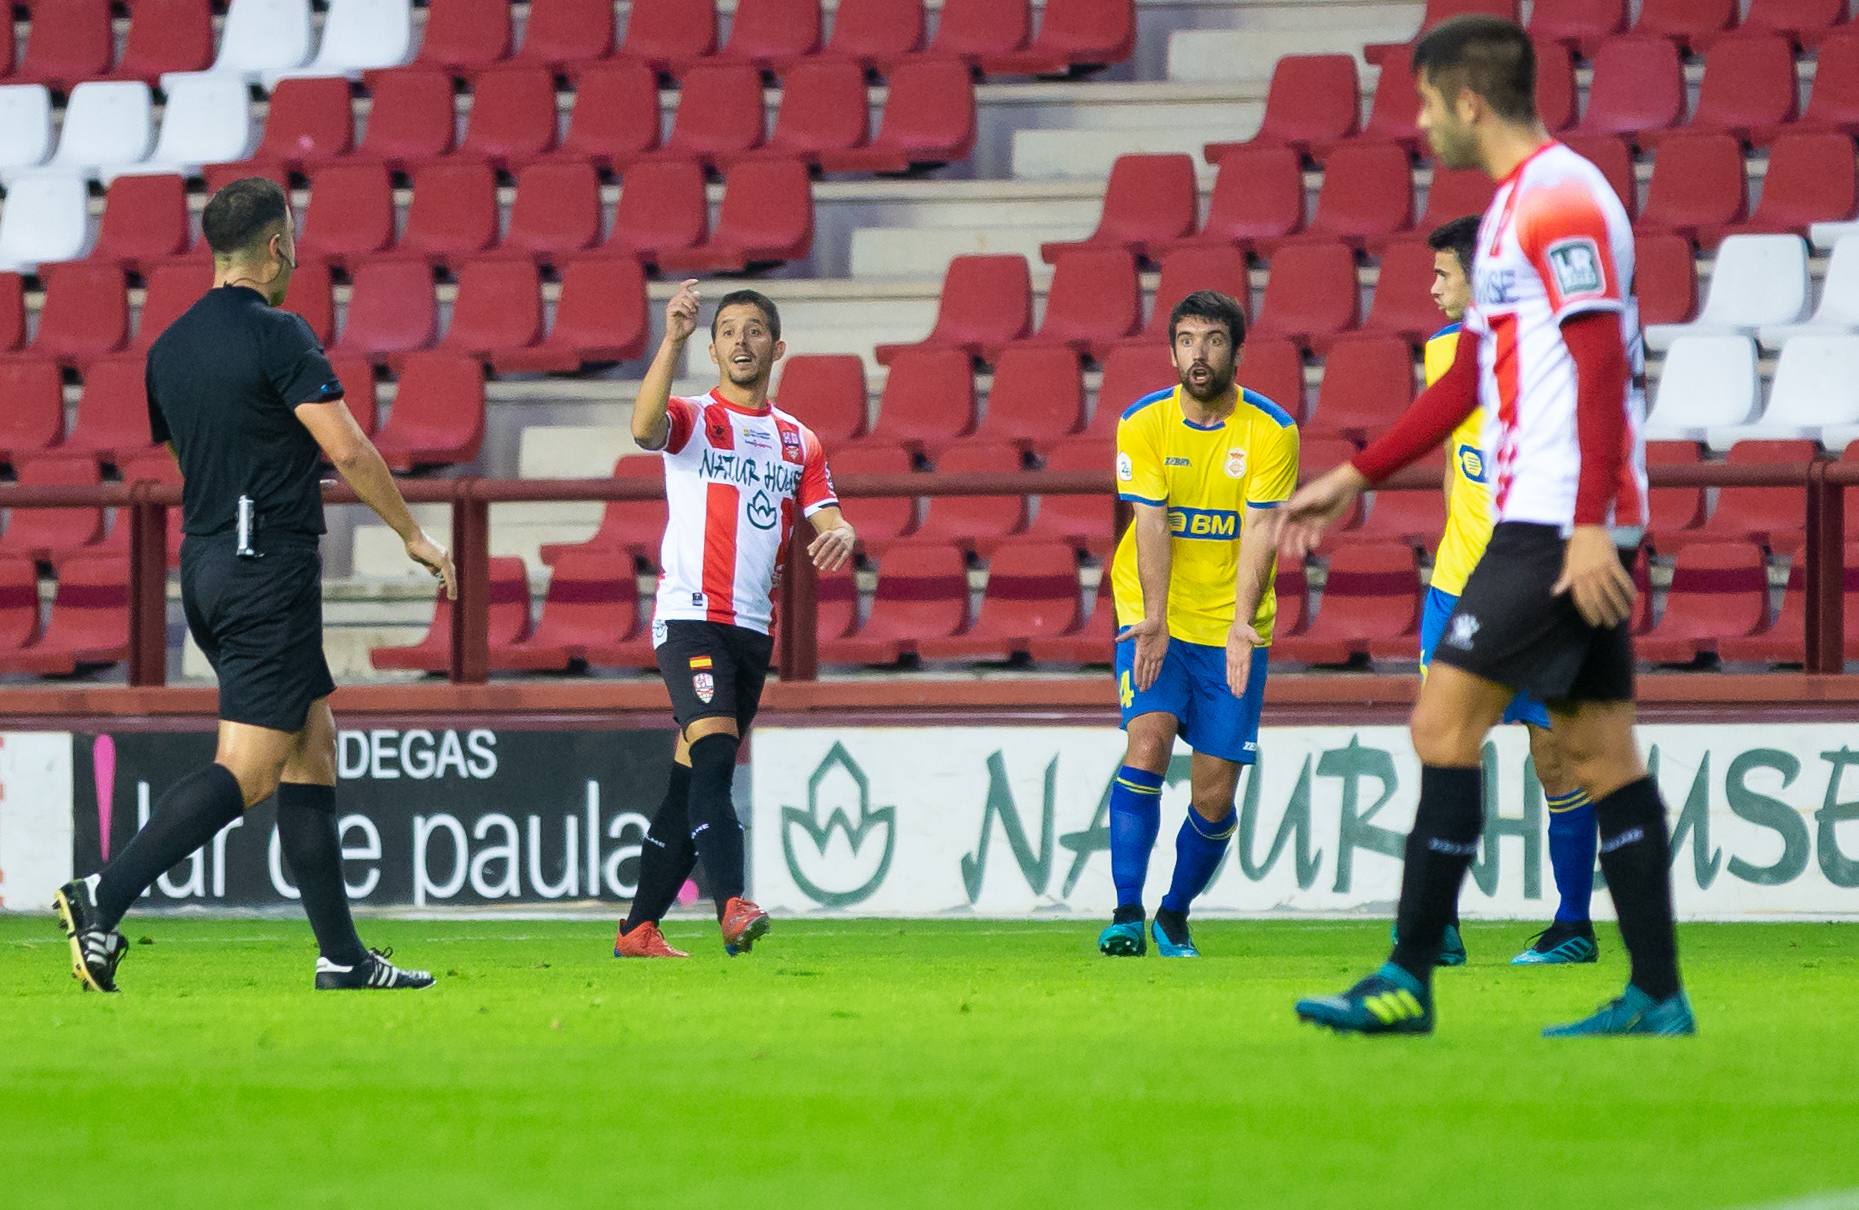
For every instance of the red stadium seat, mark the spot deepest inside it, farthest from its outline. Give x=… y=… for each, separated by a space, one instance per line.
x=1073 y=35
x=720 y=114
x=412 y=119
x=615 y=118
x=308 y=123
x=1697 y=185
x=1437 y=11
x=1085 y=522
x=112 y=414
x=438 y=414
x=667 y=34
x=391 y=309
x=1615 y=160
x=766 y=218
x=629 y=528
x=929 y=119
x=987 y=303
x=71 y=42
x=172 y=289
x=662 y=208
x=19 y=605
x=464 y=35
x=1367 y=196
x=144 y=222
x=1785 y=640
x=453 y=215
x=1403 y=305
x=1095 y=300
x=47 y=534
x=1576 y=23
x=157 y=466
x=1555 y=86
x=922 y=594
x=1639 y=86
x=975 y=522
x=874 y=32
x=1311 y=294
x=768 y=33
x=32 y=407
x=1455 y=193
x=556 y=212
x=971 y=29
x=835 y=604
x=928 y=400
x=1188 y=268
x=498 y=308
x=634 y=650
x=1371 y=603
x=1313 y=101
x=1773 y=516
x=1675 y=510
x=1665 y=279
x=1149 y=200
x=1749 y=85
x=1684 y=20
x=7 y=49
x=593 y=601
x=1811 y=179
x=86 y=312
x=89 y=625
x=1291 y=589
x=356 y=374
x=1094 y=640
x=827 y=392
x=165 y=36
x=882 y=520
x=1718 y=591
x=218 y=176
x=508 y=623
x=823 y=109
x=1032 y=593
x=1391 y=112
x=600 y=317
x=1368 y=381
x=1407 y=518
x=512 y=116
x=12 y=310
x=566 y=33
x=1131 y=371
x=312 y=297
x=1037 y=396
x=1833 y=106
x=351 y=213
x=1802 y=22
x=1258 y=197
x=1273 y=367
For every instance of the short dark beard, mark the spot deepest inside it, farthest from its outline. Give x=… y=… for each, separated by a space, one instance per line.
x=1217 y=386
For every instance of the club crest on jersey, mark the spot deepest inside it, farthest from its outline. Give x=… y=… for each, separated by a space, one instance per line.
x=1577 y=266
x=791 y=449
x=1235 y=463
x=704 y=686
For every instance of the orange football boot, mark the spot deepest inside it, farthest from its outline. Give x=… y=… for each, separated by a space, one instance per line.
x=645 y=941
x=743 y=925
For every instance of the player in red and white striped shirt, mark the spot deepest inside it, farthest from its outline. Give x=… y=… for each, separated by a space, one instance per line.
x=1550 y=350
x=739 y=473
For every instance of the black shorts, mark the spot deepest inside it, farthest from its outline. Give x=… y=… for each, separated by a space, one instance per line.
x=260 y=623
x=714 y=670
x=1510 y=628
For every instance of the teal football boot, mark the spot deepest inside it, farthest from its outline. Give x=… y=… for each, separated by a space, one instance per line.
x=1561 y=944
x=1390 y=1001
x=1123 y=939
x=1172 y=939
x=1451 y=945
x=1633 y=1012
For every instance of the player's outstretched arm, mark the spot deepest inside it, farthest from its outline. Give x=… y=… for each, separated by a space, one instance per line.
x=650 y=428
x=834 y=539
x=1154 y=563
x=359 y=463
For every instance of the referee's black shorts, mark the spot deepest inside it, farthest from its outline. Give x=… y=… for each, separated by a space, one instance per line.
x=714 y=670
x=1510 y=628
x=260 y=623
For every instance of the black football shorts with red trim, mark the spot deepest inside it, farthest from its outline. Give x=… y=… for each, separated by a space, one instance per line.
x=1510 y=627
x=714 y=670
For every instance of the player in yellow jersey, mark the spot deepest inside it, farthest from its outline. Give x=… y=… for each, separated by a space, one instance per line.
x=1203 y=464
x=1469 y=519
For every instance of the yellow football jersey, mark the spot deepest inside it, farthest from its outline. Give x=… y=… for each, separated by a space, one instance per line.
x=1206 y=476
x=1469 y=514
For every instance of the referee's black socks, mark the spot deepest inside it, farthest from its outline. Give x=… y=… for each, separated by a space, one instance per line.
x=1636 y=856
x=1439 y=852
x=313 y=851
x=191 y=813
x=715 y=829
x=667 y=857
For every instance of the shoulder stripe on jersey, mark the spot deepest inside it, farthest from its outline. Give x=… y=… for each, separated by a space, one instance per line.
x=1450 y=329
x=1146 y=400
x=1278 y=414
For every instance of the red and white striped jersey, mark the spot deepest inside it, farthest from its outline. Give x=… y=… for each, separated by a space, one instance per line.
x=734 y=480
x=1556 y=242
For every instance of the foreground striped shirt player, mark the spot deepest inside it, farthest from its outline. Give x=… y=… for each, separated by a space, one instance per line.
x=1469 y=517
x=1549 y=348
x=738 y=473
x=1203 y=465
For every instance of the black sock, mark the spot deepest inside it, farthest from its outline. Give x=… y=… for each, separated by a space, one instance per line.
x=714 y=827
x=1439 y=852
x=1128 y=913
x=313 y=854
x=191 y=813
x=668 y=856
x=1636 y=858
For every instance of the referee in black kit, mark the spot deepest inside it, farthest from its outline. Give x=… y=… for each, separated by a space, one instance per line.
x=244 y=397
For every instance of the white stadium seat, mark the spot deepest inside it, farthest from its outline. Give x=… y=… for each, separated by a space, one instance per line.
x=1706 y=381
x=208 y=120
x=1838 y=311
x=108 y=126
x=1813 y=393
x=358 y=35
x=47 y=218
x=259 y=36
x=25 y=127
x=1756 y=280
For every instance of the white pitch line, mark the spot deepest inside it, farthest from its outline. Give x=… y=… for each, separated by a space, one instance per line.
x=1832 y=1199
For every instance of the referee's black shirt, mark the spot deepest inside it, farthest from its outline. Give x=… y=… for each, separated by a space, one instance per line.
x=222 y=382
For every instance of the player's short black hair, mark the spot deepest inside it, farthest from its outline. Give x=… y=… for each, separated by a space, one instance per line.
x=243 y=213
x=750 y=298
x=1212 y=305
x=1489 y=55
x=1459 y=237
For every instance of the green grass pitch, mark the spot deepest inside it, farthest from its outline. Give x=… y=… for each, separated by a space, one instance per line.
x=910 y=1064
